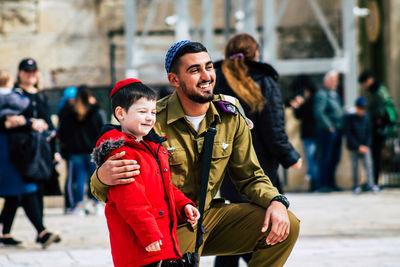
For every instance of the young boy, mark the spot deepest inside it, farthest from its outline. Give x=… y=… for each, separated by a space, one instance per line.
x=357 y=129
x=11 y=103
x=142 y=216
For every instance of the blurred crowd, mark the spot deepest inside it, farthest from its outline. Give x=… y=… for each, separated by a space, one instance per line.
x=324 y=124
x=31 y=147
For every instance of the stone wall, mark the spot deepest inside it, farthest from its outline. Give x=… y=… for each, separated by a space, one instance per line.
x=68 y=38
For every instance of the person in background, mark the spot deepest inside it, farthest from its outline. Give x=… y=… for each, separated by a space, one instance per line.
x=383 y=116
x=13 y=188
x=80 y=123
x=68 y=97
x=11 y=104
x=357 y=129
x=303 y=105
x=65 y=105
x=328 y=113
x=142 y=217
x=254 y=83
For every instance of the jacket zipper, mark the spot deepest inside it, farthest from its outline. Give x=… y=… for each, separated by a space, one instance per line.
x=162 y=180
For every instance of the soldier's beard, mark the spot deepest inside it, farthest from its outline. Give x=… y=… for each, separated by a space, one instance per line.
x=197 y=97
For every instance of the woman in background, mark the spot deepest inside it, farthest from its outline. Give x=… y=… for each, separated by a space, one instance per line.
x=35 y=117
x=80 y=124
x=254 y=84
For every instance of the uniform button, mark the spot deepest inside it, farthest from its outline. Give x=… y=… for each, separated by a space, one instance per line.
x=158 y=172
x=165 y=152
x=165 y=170
x=161 y=212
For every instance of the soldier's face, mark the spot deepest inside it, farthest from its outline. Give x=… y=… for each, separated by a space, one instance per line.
x=196 y=77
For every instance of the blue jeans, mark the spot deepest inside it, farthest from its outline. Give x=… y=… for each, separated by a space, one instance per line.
x=310 y=152
x=367 y=161
x=80 y=168
x=330 y=148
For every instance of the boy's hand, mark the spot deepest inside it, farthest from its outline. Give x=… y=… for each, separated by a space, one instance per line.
x=192 y=214
x=155 y=246
x=363 y=149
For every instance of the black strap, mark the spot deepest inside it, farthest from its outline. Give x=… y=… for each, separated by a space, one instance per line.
x=207 y=153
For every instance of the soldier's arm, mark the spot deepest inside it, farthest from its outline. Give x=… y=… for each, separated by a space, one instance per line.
x=245 y=169
x=114 y=171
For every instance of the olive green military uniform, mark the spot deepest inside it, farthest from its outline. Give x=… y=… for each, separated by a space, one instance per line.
x=231 y=228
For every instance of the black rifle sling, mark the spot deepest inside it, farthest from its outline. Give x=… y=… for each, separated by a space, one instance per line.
x=207 y=153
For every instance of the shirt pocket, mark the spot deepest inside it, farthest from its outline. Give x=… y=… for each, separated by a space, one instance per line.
x=221 y=150
x=178 y=165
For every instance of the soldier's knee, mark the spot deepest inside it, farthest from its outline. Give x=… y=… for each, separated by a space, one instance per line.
x=294 y=227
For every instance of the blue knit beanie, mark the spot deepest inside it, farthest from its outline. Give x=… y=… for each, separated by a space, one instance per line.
x=361 y=102
x=169 y=57
x=70 y=92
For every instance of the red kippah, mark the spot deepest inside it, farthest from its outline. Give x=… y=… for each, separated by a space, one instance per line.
x=122 y=83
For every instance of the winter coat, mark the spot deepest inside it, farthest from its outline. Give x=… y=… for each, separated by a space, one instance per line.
x=146 y=210
x=11 y=182
x=38 y=108
x=357 y=130
x=328 y=110
x=79 y=136
x=305 y=113
x=269 y=135
x=12 y=103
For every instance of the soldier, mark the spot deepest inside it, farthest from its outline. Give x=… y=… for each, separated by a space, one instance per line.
x=264 y=226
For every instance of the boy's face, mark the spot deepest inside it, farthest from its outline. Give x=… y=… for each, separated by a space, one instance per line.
x=139 y=119
x=360 y=111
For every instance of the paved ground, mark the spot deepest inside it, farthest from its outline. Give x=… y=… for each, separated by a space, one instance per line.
x=337 y=229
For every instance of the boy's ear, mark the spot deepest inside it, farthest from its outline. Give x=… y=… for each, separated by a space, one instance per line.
x=119 y=113
x=173 y=79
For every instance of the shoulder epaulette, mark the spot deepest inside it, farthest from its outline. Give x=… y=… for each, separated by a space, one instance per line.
x=230 y=105
x=162 y=104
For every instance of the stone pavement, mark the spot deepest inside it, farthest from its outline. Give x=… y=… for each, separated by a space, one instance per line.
x=337 y=229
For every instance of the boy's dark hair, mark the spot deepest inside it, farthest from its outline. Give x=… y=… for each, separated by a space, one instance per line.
x=192 y=47
x=129 y=94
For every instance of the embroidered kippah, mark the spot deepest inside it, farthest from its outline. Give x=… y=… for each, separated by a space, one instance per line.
x=169 y=57
x=123 y=83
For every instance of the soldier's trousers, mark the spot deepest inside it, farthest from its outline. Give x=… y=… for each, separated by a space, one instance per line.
x=236 y=229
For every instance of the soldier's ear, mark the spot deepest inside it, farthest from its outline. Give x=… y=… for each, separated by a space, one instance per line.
x=173 y=79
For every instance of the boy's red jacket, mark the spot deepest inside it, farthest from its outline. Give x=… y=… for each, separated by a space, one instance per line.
x=146 y=210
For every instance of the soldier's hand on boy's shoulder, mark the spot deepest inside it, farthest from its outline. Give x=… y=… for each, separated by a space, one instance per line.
x=116 y=171
x=192 y=214
x=155 y=246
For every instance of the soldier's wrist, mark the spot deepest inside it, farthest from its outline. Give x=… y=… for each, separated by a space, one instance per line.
x=282 y=199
